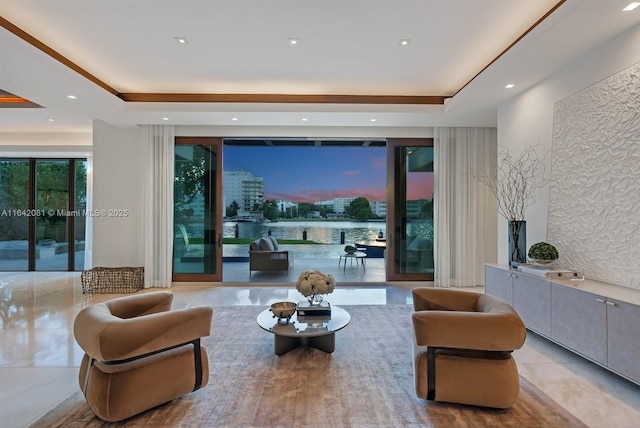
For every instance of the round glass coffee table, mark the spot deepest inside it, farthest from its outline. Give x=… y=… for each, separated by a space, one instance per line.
x=315 y=331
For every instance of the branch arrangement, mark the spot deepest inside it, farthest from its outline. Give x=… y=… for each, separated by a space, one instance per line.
x=517 y=181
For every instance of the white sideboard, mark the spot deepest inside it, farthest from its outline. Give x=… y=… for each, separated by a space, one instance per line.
x=597 y=320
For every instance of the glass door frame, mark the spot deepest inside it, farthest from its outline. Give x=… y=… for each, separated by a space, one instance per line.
x=218 y=209
x=396 y=180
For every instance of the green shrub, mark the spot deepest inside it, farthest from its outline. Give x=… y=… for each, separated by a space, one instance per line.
x=543 y=251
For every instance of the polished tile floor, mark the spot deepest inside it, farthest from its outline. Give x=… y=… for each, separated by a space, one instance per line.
x=39 y=358
x=345 y=271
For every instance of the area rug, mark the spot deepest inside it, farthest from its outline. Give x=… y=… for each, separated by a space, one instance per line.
x=366 y=382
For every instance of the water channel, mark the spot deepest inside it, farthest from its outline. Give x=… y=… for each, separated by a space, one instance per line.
x=327 y=233
x=322 y=232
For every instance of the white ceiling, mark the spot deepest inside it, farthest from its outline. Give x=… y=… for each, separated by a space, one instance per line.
x=346 y=47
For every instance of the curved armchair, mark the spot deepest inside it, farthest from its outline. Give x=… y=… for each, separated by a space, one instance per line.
x=462 y=348
x=140 y=354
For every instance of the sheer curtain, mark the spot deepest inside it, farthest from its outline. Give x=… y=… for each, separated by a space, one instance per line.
x=157 y=233
x=464 y=210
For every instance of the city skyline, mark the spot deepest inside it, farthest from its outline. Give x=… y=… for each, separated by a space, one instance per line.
x=314 y=174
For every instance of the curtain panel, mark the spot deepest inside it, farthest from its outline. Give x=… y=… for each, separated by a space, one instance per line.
x=158 y=204
x=464 y=210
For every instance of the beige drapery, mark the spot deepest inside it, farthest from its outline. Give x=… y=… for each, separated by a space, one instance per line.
x=157 y=204
x=464 y=209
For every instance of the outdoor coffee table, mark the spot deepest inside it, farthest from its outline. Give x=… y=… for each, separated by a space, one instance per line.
x=359 y=257
x=316 y=332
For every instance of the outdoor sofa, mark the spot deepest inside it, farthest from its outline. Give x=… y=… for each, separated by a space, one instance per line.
x=265 y=255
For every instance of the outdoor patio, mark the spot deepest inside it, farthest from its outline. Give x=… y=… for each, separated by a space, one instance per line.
x=323 y=257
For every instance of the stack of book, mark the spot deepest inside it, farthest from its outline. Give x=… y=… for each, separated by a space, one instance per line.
x=308 y=312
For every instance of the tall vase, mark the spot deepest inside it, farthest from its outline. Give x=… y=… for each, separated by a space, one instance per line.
x=517 y=242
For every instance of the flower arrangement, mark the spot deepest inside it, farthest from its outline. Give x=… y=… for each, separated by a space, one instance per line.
x=312 y=282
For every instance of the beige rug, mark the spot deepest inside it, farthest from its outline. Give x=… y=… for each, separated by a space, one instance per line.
x=366 y=382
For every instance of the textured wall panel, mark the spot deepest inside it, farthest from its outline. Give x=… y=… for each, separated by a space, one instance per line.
x=594 y=200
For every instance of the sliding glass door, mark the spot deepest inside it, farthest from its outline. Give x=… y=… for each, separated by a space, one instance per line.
x=197 y=248
x=14 y=201
x=42 y=215
x=52 y=207
x=410 y=228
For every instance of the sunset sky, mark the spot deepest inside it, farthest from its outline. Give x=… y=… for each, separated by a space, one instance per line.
x=312 y=174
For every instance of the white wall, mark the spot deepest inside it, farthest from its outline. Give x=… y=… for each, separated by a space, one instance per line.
x=117 y=185
x=593 y=216
x=21 y=139
x=43 y=145
x=528 y=118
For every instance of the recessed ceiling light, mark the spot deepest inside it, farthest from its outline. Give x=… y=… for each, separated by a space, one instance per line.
x=51 y=120
x=73 y=97
x=294 y=42
x=182 y=40
x=509 y=86
x=234 y=118
x=165 y=118
x=631 y=6
x=373 y=120
x=404 y=42
x=304 y=119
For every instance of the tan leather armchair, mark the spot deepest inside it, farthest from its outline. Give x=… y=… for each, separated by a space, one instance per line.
x=139 y=353
x=462 y=347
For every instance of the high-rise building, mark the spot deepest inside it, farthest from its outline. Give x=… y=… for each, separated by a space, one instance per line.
x=244 y=188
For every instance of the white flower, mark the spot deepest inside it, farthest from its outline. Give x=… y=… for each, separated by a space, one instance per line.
x=312 y=282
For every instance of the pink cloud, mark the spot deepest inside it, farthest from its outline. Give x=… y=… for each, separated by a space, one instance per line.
x=419 y=186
